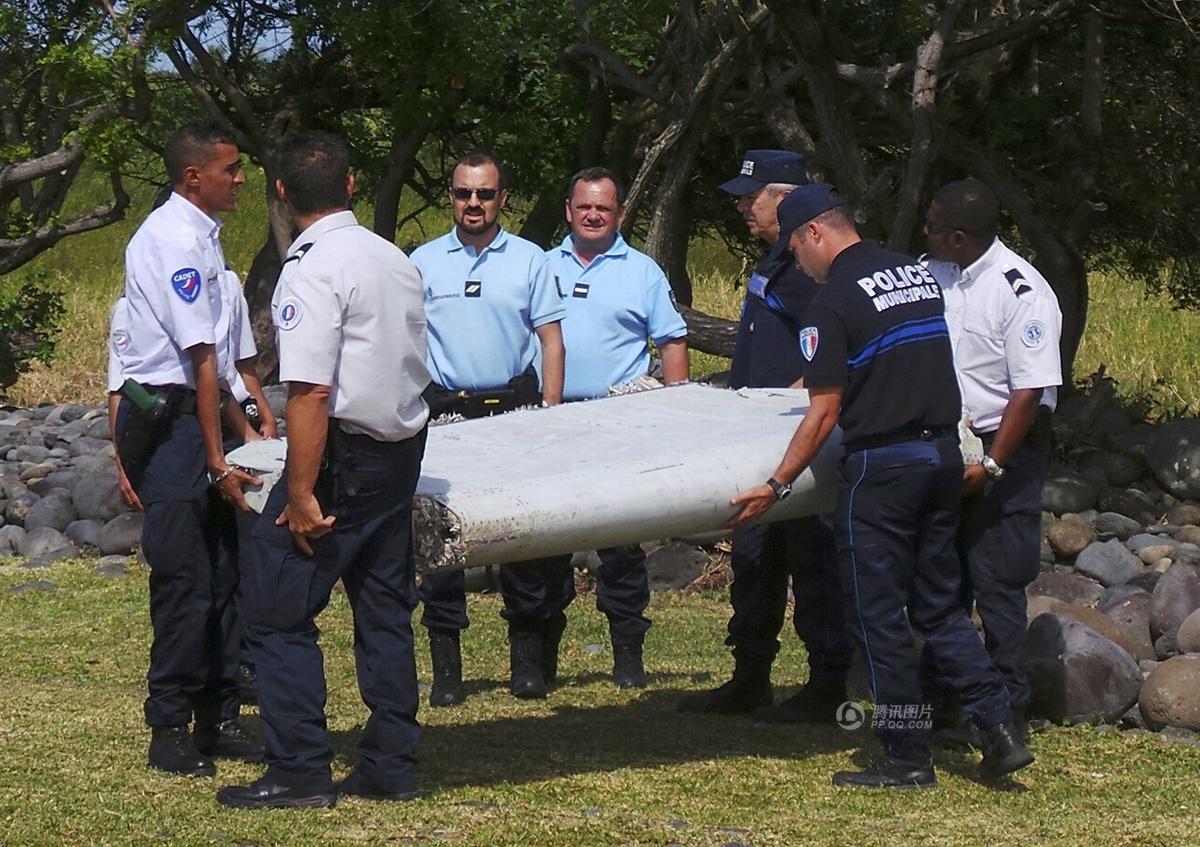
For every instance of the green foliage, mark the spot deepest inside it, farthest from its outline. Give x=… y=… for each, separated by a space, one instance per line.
x=29 y=318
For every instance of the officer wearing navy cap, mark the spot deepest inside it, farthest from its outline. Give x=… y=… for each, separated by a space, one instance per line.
x=346 y=301
x=879 y=362
x=172 y=359
x=764 y=556
x=1005 y=326
x=492 y=307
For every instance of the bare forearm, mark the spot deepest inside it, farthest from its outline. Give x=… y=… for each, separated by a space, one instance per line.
x=675 y=361
x=308 y=431
x=1014 y=424
x=818 y=423
x=248 y=368
x=208 y=405
x=553 y=362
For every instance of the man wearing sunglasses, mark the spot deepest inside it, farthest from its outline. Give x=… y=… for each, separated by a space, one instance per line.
x=492 y=306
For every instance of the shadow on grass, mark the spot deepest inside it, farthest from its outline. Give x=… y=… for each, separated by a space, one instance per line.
x=644 y=733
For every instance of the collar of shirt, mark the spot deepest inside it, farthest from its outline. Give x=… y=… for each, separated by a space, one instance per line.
x=454 y=244
x=617 y=249
x=316 y=229
x=983 y=264
x=193 y=216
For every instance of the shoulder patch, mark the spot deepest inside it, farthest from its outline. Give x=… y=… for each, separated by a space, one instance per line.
x=289 y=314
x=186 y=282
x=120 y=341
x=1034 y=334
x=1018 y=282
x=808 y=342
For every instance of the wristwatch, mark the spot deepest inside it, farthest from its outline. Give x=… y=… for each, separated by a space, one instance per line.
x=991 y=467
x=782 y=490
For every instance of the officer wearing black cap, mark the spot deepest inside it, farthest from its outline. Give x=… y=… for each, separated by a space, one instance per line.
x=878 y=361
x=767 y=355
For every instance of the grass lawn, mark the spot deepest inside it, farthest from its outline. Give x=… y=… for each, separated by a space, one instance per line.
x=590 y=766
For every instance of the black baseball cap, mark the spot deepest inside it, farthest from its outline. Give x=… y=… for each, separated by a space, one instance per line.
x=805 y=203
x=762 y=167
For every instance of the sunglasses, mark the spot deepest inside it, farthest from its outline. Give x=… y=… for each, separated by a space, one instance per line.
x=484 y=194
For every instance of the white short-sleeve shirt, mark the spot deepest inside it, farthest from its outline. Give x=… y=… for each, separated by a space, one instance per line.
x=1005 y=326
x=349 y=314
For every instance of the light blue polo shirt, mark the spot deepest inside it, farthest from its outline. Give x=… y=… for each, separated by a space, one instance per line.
x=614 y=305
x=482 y=308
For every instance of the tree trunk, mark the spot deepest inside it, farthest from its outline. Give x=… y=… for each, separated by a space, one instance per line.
x=544 y=218
x=709 y=334
x=259 y=288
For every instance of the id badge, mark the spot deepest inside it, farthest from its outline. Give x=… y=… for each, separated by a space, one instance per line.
x=758 y=285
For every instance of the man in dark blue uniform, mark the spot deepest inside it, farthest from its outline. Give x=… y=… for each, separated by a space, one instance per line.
x=879 y=362
x=767 y=355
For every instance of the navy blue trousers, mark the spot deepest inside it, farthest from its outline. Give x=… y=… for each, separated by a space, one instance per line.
x=764 y=557
x=896 y=522
x=194 y=652
x=539 y=591
x=368 y=485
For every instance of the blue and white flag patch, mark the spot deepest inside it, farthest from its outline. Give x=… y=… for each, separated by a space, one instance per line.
x=186 y=283
x=289 y=314
x=808 y=342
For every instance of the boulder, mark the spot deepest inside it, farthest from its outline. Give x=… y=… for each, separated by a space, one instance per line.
x=1117 y=593
x=1112 y=523
x=121 y=534
x=10 y=540
x=1131 y=503
x=96 y=496
x=1119 y=469
x=37 y=542
x=1171 y=694
x=38 y=471
x=1131 y=617
x=28 y=453
x=94 y=464
x=1184 y=513
x=1146 y=580
x=1188 y=534
x=84 y=533
x=1173 y=455
x=1187 y=640
x=1142 y=540
x=54 y=510
x=1070 y=535
x=1077 y=675
x=1176 y=595
x=18 y=507
x=1067 y=491
x=1108 y=562
x=98 y=428
x=1040 y=605
x=45 y=559
x=1067 y=588
x=1155 y=553
x=675 y=565
x=1106 y=626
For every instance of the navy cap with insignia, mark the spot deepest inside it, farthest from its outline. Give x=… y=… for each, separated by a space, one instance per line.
x=763 y=167
x=805 y=203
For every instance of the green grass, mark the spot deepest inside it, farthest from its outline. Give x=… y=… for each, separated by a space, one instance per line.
x=1146 y=345
x=591 y=765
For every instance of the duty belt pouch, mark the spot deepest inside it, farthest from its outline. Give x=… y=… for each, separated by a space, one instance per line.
x=145 y=423
x=525 y=389
x=441 y=401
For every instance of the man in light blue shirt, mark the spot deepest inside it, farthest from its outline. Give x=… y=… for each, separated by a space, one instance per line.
x=617 y=300
x=491 y=307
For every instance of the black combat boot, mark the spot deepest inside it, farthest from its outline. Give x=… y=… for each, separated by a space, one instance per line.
x=446 y=654
x=173 y=750
x=228 y=740
x=525 y=652
x=816 y=702
x=552 y=632
x=748 y=690
x=628 y=671
x=1003 y=752
x=889 y=773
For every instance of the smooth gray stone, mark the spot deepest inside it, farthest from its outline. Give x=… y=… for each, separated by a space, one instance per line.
x=674 y=565
x=10 y=540
x=1119 y=469
x=98 y=428
x=1070 y=588
x=84 y=533
x=97 y=497
x=121 y=534
x=1131 y=616
x=1112 y=523
x=43 y=540
x=28 y=453
x=54 y=510
x=85 y=446
x=1118 y=593
x=40 y=413
x=39 y=471
x=1175 y=596
x=1067 y=491
x=1141 y=541
x=1171 y=695
x=1173 y=454
x=47 y=558
x=1108 y=562
x=1133 y=504
x=113 y=566
x=94 y=464
x=18 y=507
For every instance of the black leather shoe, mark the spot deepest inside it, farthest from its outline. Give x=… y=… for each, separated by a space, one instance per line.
x=628 y=670
x=811 y=704
x=228 y=740
x=888 y=773
x=247 y=683
x=525 y=664
x=446 y=655
x=1003 y=752
x=172 y=750
x=355 y=785
x=552 y=633
x=746 y=692
x=267 y=795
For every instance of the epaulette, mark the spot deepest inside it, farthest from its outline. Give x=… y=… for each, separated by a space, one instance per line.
x=299 y=254
x=1018 y=282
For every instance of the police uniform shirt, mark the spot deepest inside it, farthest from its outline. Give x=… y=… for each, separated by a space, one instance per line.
x=1005 y=326
x=877 y=331
x=118 y=342
x=766 y=354
x=235 y=336
x=483 y=308
x=173 y=266
x=348 y=314
x=614 y=304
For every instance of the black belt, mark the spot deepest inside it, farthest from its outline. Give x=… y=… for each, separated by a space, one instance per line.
x=930 y=433
x=180 y=399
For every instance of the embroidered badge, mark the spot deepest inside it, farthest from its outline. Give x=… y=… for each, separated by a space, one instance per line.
x=1034 y=334
x=289 y=314
x=1018 y=283
x=748 y=167
x=580 y=290
x=120 y=341
x=186 y=283
x=808 y=342
x=473 y=288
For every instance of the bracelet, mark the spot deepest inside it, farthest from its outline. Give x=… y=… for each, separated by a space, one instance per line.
x=222 y=476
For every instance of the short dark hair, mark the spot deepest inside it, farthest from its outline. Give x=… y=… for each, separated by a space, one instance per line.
x=968 y=205
x=595 y=174
x=475 y=159
x=192 y=144
x=314 y=167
